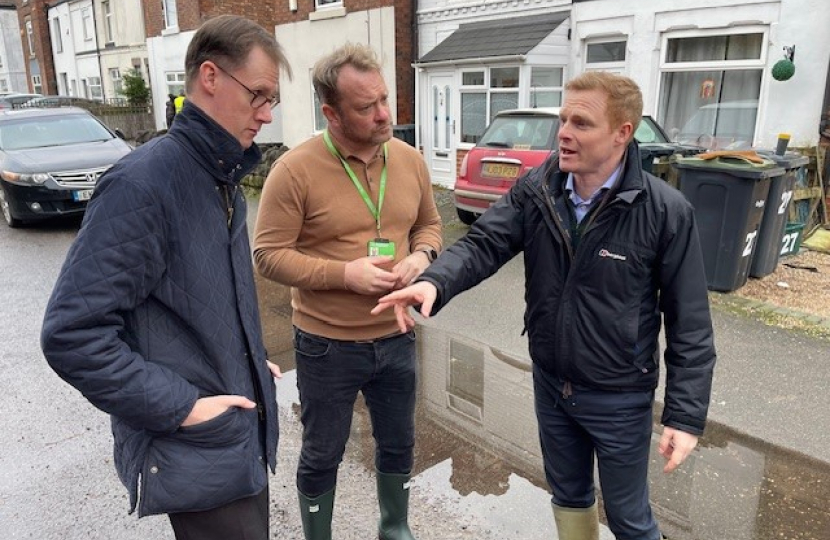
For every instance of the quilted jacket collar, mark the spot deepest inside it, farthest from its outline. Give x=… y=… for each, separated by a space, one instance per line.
x=631 y=184
x=212 y=146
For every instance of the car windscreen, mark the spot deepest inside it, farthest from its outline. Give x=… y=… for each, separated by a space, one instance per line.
x=531 y=132
x=44 y=131
x=649 y=132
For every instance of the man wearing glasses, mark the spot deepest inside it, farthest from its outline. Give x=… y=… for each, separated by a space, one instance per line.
x=154 y=316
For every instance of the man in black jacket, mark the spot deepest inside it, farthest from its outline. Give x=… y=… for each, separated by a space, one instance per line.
x=154 y=316
x=607 y=248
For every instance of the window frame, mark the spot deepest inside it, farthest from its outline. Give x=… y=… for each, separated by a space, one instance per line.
x=169 y=14
x=321 y=5
x=317 y=116
x=117 y=81
x=616 y=66
x=757 y=64
x=532 y=90
x=93 y=83
x=57 y=35
x=174 y=81
x=86 y=23
x=30 y=37
x=760 y=62
x=106 y=7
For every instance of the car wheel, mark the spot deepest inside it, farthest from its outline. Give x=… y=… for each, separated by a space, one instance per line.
x=5 y=207
x=466 y=217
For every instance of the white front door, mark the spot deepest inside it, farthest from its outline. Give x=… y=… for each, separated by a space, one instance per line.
x=440 y=129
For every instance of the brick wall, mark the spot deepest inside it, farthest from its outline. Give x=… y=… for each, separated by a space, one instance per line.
x=36 y=10
x=404 y=50
x=153 y=17
x=192 y=13
x=404 y=43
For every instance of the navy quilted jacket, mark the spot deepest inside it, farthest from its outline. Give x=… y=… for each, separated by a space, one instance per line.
x=594 y=311
x=155 y=307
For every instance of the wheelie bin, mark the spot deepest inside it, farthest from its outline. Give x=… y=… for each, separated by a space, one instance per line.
x=771 y=233
x=729 y=193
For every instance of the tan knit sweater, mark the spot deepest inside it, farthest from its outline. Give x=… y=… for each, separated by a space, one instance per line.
x=312 y=221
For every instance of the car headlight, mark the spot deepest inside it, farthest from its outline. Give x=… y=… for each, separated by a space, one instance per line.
x=19 y=178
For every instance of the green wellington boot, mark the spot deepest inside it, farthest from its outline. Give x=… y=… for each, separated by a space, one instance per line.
x=316 y=515
x=393 y=497
x=577 y=523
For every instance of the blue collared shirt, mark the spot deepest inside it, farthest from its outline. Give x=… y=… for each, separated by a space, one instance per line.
x=582 y=206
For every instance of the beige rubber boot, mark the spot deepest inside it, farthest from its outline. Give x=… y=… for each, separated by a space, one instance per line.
x=577 y=523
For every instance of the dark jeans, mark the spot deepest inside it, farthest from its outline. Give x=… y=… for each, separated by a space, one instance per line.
x=614 y=426
x=330 y=373
x=245 y=519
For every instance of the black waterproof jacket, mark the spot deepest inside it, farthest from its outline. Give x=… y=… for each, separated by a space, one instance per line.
x=155 y=307
x=593 y=313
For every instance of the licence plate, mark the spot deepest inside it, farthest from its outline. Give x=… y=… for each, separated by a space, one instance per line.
x=82 y=195
x=499 y=170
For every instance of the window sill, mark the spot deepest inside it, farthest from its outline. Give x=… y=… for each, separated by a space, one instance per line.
x=327 y=13
x=170 y=31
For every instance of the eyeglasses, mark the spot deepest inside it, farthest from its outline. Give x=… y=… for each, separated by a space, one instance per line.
x=258 y=100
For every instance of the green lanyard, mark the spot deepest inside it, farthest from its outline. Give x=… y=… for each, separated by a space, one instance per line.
x=369 y=204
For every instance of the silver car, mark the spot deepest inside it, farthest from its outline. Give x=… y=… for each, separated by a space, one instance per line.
x=50 y=161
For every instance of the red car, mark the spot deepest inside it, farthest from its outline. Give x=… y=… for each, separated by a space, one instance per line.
x=521 y=139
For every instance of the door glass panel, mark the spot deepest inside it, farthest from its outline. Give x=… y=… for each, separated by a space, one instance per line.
x=473 y=116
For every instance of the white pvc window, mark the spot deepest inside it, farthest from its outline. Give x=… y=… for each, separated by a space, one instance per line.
x=606 y=55
x=320 y=121
x=175 y=82
x=107 y=9
x=327 y=4
x=30 y=37
x=710 y=84
x=86 y=23
x=546 y=86
x=171 y=16
x=57 y=36
x=94 y=86
x=117 y=82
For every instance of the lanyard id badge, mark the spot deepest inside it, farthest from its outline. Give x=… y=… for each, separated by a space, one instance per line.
x=378 y=246
x=381 y=247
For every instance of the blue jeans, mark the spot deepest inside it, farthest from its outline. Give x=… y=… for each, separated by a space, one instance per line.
x=330 y=373
x=614 y=426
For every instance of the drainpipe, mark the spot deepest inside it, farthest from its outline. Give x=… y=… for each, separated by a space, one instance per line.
x=98 y=51
x=414 y=31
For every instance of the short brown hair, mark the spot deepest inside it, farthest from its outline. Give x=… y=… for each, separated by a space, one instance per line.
x=625 y=100
x=228 y=40
x=327 y=69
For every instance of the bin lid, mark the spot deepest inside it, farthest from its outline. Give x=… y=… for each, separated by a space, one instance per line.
x=736 y=165
x=790 y=160
x=656 y=149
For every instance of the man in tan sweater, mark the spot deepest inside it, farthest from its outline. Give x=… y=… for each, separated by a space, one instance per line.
x=345 y=218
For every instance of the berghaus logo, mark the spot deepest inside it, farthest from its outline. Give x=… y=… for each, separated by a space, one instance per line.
x=608 y=255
